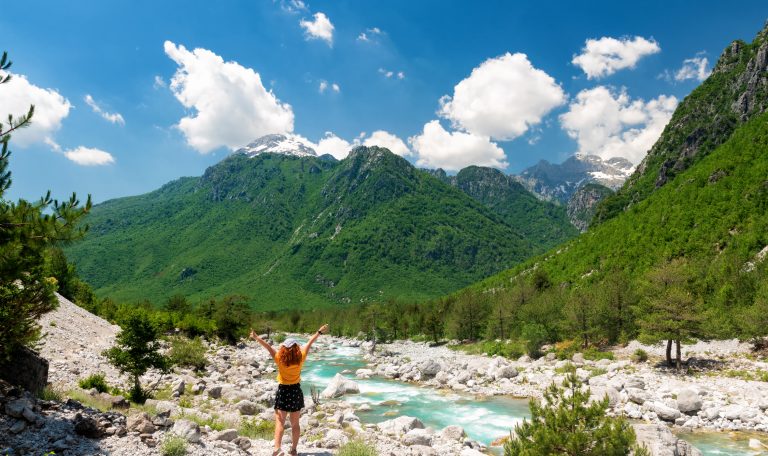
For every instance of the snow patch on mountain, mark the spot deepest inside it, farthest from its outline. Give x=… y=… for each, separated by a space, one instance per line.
x=279 y=144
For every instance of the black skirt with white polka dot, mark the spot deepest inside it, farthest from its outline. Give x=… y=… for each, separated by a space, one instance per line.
x=289 y=398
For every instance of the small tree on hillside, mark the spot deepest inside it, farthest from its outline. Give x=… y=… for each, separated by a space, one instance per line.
x=669 y=309
x=581 y=315
x=136 y=350
x=567 y=424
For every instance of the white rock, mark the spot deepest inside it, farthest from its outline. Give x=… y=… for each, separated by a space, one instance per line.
x=400 y=425
x=665 y=412
x=226 y=435
x=247 y=408
x=187 y=429
x=363 y=373
x=429 y=368
x=339 y=386
x=452 y=432
x=688 y=401
x=417 y=437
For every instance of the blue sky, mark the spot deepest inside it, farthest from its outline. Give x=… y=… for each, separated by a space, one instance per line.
x=512 y=90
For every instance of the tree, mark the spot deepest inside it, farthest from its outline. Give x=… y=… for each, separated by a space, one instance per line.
x=567 y=424
x=232 y=318
x=27 y=231
x=670 y=310
x=580 y=316
x=136 y=350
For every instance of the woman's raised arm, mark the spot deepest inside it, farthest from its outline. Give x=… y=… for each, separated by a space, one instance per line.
x=314 y=337
x=263 y=343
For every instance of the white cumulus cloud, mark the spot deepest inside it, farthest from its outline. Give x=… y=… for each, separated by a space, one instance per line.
x=88 y=156
x=230 y=104
x=112 y=117
x=159 y=82
x=386 y=139
x=50 y=109
x=318 y=29
x=693 y=68
x=438 y=148
x=604 y=56
x=332 y=144
x=610 y=124
x=502 y=98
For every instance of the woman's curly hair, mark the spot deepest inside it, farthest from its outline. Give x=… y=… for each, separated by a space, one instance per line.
x=289 y=356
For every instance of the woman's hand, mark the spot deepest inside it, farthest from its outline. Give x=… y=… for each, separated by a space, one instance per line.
x=253 y=335
x=323 y=329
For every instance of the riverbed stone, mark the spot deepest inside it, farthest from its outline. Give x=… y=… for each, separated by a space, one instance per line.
x=665 y=412
x=400 y=425
x=688 y=401
x=453 y=432
x=417 y=437
x=340 y=386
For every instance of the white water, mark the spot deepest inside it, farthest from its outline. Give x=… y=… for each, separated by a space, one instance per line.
x=483 y=419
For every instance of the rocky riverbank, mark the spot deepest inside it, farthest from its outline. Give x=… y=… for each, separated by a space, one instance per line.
x=718 y=389
x=226 y=409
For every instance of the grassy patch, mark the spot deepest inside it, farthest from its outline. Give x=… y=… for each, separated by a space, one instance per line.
x=173 y=445
x=214 y=422
x=357 y=448
x=257 y=429
x=94 y=402
x=512 y=350
x=188 y=352
x=49 y=394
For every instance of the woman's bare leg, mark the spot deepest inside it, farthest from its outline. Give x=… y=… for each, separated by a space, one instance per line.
x=279 y=428
x=295 y=430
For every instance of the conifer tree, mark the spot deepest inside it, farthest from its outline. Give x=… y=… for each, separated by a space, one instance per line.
x=567 y=424
x=27 y=231
x=670 y=310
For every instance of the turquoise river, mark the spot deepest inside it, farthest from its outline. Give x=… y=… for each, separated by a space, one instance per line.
x=484 y=420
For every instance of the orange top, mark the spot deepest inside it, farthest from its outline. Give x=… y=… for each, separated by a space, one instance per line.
x=290 y=375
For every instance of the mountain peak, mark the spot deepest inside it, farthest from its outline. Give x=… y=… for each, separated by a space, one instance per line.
x=278 y=144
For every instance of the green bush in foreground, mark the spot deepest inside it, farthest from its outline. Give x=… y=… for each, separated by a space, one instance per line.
x=566 y=424
x=357 y=448
x=640 y=356
x=188 y=352
x=97 y=381
x=174 y=445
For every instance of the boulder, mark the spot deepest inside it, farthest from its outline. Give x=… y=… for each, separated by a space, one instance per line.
x=417 y=437
x=141 y=423
x=177 y=388
x=187 y=429
x=18 y=426
x=637 y=395
x=226 y=435
x=665 y=412
x=335 y=438
x=400 y=425
x=214 y=392
x=16 y=407
x=429 y=368
x=578 y=358
x=452 y=432
x=688 y=401
x=87 y=427
x=363 y=373
x=339 y=386
x=634 y=382
x=600 y=392
x=660 y=441
x=732 y=412
x=247 y=408
x=505 y=372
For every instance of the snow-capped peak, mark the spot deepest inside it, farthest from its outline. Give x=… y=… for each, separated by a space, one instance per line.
x=279 y=144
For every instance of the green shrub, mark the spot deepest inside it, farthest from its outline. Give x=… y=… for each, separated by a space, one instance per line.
x=640 y=356
x=188 y=352
x=257 y=429
x=565 y=422
x=173 y=445
x=357 y=448
x=97 y=381
x=279 y=338
x=595 y=354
